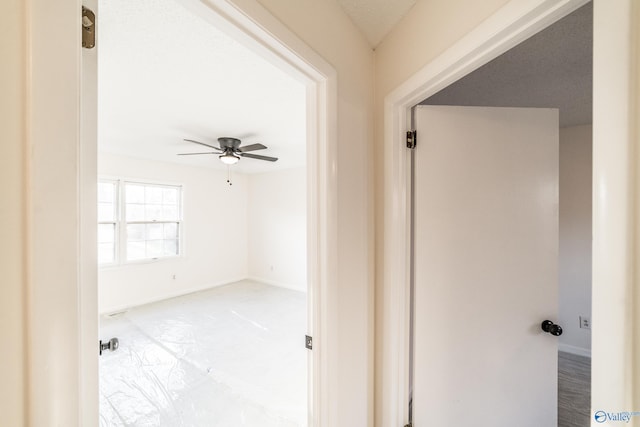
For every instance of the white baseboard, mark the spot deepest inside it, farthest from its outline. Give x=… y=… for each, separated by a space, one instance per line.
x=579 y=351
x=298 y=288
x=177 y=293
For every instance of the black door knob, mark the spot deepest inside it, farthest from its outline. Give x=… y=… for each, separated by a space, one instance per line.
x=112 y=345
x=552 y=328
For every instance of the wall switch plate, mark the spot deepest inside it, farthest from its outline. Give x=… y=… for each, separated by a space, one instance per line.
x=585 y=322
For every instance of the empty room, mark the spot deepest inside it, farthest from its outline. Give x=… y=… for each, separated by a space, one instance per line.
x=202 y=234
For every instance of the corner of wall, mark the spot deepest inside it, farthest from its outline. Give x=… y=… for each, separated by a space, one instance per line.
x=575 y=236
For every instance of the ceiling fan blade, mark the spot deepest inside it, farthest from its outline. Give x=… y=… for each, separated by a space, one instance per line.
x=252 y=147
x=192 y=154
x=202 y=143
x=256 y=156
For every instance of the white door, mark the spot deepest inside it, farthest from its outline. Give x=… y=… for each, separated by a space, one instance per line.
x=486 y=250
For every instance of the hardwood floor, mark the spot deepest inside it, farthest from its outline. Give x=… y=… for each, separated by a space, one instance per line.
x=574 y=390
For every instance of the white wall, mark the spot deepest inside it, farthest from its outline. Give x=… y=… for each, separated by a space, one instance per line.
x=277 y=227
x=324 y=26
x=255 y=228
x=215 y=235
x=575 y=237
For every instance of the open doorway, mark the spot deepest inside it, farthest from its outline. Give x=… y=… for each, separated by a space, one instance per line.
x=203 y=276
x=553 y=69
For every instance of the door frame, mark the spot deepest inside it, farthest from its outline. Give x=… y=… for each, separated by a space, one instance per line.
x=613 y=142
x=62 y=309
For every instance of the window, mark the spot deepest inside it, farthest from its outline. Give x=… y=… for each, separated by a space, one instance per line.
x=152 y=215
x=107 y=223
x=138 y=221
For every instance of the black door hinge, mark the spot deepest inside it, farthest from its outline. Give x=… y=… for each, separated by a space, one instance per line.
x=411 y=139
x=308 y=342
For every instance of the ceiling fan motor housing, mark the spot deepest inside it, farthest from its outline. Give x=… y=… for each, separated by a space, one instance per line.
x=226 y=142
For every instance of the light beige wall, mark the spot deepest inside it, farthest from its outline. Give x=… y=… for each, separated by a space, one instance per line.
x=12 y=211
x=574 y=275
x=426 y=31
x=636 y=135
x=326 y=29
x=615 y=370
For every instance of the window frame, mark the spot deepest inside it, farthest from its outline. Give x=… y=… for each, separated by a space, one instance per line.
x=124 y=222
x=120 y=252
x=115 y=222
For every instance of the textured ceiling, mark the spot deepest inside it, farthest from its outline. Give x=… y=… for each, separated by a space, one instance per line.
x=166 y=74
x=551 y=69
x=376 y=18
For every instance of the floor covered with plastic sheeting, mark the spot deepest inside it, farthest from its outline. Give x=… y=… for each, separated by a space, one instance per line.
x=230 y=356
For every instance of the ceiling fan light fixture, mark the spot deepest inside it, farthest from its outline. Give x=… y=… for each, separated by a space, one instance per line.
x=228 y=158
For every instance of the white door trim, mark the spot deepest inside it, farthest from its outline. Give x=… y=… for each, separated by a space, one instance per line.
x=513 y=23
x=62 y=311
x=615 y=379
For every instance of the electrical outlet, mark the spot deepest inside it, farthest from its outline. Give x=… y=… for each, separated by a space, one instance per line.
x=585 y=322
